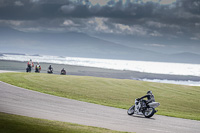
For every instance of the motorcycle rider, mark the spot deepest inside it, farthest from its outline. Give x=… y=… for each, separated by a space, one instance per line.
x=30 y=65
x=50 y=68
x=63 y=72
x=150 y=98
x=37 y=67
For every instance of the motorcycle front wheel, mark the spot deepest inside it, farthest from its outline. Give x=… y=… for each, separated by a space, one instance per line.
x=131 y=110
x=149 y=112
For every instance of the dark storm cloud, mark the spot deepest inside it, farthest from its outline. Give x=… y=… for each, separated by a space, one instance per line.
x=29 y=10
x=116 y=16
x=192 y=6
x=34 y=9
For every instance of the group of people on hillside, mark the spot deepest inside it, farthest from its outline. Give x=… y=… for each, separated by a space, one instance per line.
x=30 y=65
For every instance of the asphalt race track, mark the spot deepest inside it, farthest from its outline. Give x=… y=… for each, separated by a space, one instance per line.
x=25 y=102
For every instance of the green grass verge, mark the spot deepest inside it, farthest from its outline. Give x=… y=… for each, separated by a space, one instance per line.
x=176 y=100
x=21 y=124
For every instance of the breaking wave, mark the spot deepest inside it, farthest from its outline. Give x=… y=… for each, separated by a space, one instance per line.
x=140 y=66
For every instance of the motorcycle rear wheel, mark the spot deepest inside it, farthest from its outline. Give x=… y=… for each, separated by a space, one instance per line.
x=131 y=110
x=149 y=112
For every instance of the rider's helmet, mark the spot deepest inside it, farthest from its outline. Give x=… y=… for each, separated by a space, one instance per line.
x=149 y=92
x=30 y=60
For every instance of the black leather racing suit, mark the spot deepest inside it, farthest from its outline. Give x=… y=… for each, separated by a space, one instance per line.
x=150 y=98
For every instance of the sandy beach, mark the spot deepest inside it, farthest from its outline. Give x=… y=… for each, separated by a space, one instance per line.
x=92 y=71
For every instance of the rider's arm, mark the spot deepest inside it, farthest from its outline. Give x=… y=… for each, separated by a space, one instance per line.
x=143 y=97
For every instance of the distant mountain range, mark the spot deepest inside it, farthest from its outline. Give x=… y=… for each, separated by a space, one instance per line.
x=81 y=45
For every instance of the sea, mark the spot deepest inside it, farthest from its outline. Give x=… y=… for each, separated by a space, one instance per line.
x=131 y=65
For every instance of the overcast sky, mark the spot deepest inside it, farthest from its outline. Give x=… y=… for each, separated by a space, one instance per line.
x=162 y=20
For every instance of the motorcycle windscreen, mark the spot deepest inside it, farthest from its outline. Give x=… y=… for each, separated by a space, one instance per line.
x=154 y=104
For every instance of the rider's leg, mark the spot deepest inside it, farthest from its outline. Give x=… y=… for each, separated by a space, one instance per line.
x=136 y=106
x=144 y=103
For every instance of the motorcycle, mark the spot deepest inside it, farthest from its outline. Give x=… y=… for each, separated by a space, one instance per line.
x=63 y=72
x=37 y=70
x=28 y=69
x=141 y=108
x=50 y=71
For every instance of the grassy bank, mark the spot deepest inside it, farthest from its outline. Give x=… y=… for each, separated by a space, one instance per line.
x=176 y=100
x=21 y=124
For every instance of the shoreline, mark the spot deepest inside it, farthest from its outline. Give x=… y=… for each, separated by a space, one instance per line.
x=19 y=66
x=5 y=71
